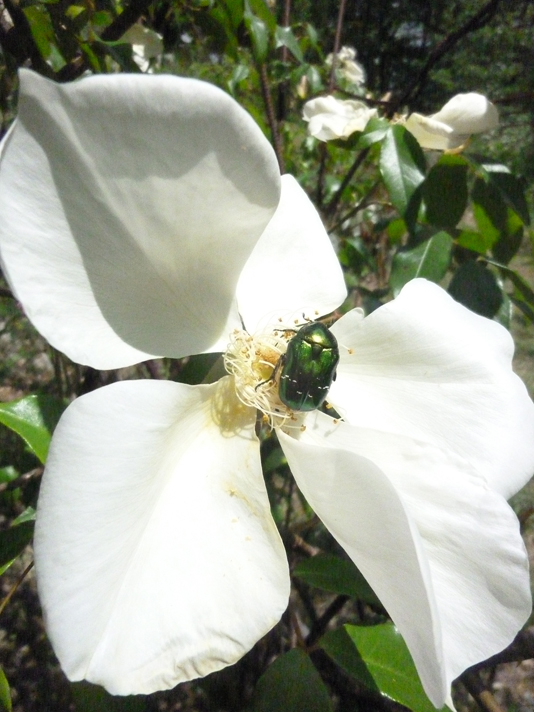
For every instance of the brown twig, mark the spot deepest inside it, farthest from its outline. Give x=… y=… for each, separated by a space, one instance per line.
x=15 y=586
x=271 y=118
x=320 y=626
x=334 y=202
x=483 y=697
x=331 y=81
x=479 y=20
x=22 y=480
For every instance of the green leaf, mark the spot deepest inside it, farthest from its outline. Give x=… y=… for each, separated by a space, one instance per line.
x=263 y=11
x=500 y=225
x=5 y=694
x=430 y=259
x=43 y=33
x=339 y=646
x=291 y=684
x=374 y=131
x=510 y=187
x=402 y=165
x=337 y=575
x=445 y=191
x=93 y=698
x=284 y=37
x=472 y=240
x=523 y=295
x=14 y=540
x=388 y=662
x=240 y=73
x=33 y=418
x=259 y=34
x=474 y=286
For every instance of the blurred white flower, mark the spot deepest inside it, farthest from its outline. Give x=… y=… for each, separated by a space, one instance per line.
x=146 y=45
x=347 y=66
x=330 y=118
x=462 y=116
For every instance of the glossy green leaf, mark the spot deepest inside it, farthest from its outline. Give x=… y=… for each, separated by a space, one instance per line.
x=475 y=241
x=234 y=11
x=403 y=166
x=474 y=286
x=240 y=73
x=445 y=191
x=388 y=662
x=336 y=575
x=259 y=34
x=339 y=646
x=264 y=12
x=14 y=540
x=5 y=694
x=284 y=37
x=291 y=684
x=33 y=418
x=500 y=225
x=374 y=131
x=523 y=294
x=511 y=188
x=430 y=259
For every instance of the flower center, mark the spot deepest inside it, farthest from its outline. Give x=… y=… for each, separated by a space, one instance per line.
x=252 y=359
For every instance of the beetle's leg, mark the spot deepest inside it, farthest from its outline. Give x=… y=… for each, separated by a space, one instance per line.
x=279 y=365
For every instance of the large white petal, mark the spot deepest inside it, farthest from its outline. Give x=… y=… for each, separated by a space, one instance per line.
x=468 y=114
x=460 y=591
x=433 y=134
x=293 y=268
x=366 y=515
x=426 y=367
x=157 y=557
x=129 y=205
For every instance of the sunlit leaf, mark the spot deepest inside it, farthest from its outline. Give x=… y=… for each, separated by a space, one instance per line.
x=430 y=260
x=5 y=694
x=511 y=188
x=284 y=37
x=33 y=418
x=402 y=165
x=388 y=662
x=291 y=684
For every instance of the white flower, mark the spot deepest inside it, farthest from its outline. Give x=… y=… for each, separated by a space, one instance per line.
x=142 y=216
x=146 y=45
x=330 y=118
x=463 y=115
x=347 y=66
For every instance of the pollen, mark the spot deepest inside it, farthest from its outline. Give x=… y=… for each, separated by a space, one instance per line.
x=252 y=359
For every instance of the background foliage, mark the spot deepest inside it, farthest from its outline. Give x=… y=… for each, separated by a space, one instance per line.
x=393 y=212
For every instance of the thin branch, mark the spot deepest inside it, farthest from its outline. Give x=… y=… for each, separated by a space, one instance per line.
x=15 y=586
x=113 y=32
x=478 y=692
x=364 y=203
x=21 y=42
x=479 y=20
x=271 y=118
x=323 y=622
x=323 y=149
x=22 y=480
x=332 y=205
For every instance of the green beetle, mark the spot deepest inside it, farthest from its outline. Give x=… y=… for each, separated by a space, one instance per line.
x=308 y=367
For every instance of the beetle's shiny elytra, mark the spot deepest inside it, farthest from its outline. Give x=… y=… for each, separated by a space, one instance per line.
x=308 y=367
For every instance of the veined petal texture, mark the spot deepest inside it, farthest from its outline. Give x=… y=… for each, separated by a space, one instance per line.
x=119 y=198
x=441 y=549
x=426 y=367
x=156 y=554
